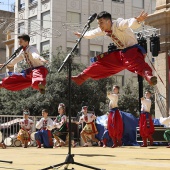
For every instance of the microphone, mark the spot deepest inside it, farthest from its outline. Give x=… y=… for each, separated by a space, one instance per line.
x=19 y=49
x=91 y=18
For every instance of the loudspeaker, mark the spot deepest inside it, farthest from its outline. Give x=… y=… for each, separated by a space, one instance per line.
x=157 y=136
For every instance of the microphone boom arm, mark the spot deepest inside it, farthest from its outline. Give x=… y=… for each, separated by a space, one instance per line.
x=11 y=58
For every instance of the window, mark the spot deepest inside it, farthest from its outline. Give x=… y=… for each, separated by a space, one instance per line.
x=34 y=45
x=45 y=47
x=73 y=17
x=45 y=19
x=138 y=3
x=153 y=5
x=32 y=1
x=21 y=4
x=121 y=1
x=32 y=24
x=95 y=50
x=21 y=28
x=153 y=60
x=119 y=80
x=70 y=45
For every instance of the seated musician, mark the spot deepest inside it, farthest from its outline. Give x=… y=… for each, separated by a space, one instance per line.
x=90 y=127
x=25 y=131
x=60 y=123
x=44 y=136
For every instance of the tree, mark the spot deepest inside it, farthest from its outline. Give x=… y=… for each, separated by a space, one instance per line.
x=129 y=99
x=91 y=93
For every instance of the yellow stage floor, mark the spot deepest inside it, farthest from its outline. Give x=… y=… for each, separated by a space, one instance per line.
x=124 y=158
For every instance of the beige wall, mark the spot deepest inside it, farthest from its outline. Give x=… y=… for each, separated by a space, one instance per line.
x=161 y=19
x=5 y=16
x=60 y=14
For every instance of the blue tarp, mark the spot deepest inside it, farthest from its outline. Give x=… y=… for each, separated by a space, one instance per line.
x=130 y=123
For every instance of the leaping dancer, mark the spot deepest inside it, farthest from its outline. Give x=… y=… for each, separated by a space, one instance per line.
x=34 y=76
x=128 y=55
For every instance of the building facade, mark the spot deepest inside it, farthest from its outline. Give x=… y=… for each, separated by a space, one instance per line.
x=52 y=23
x=161 y=19
x=5 y=19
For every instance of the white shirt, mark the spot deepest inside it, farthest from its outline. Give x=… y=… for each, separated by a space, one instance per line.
x=45 y=124
x=146 y=105
x=30 y=55
x=59 y=124
x=106 y=123
x=165 y=121
x=88 y=118
x=113 y=100
x=26 y=124
x=122 y=29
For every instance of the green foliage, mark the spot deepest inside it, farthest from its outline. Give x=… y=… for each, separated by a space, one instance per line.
x=129 y=99
x=91 y=93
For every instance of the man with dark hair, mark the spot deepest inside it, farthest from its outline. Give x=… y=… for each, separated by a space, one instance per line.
x=44 y=135
x=146 y=125
x=128 y=55
x=34 y=76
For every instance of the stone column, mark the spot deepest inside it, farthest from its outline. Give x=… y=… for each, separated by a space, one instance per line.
x=161 y=19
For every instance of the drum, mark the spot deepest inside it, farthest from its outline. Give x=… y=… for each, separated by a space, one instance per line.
x=17 y=143
x=32 y=136
x=8 y=141
x=0 y=137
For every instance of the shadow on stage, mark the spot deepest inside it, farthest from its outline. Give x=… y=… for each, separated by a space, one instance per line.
x=10 y=168
x=89 y=155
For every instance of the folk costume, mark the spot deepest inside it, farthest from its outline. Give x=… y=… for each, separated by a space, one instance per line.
x=61 y=129
x=146 y=125
x=25 y=131
x=90 y=127
x=34 y=76
x=106 y=139
x=44 y=136
x=115 y=122
x=128 y=55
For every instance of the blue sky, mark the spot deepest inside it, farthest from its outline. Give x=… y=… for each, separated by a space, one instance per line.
x=6 y=4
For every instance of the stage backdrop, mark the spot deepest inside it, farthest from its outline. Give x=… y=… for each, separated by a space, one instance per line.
x=129 y=122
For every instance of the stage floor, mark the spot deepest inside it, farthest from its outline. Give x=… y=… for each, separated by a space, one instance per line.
x=124 y=158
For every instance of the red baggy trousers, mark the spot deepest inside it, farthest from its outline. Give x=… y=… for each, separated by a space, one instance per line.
x=146 y=125
x=114 y=62
x=115 y=125
x=32 y=79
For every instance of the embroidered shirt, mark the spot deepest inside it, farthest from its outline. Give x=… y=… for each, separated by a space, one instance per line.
x=122 y=30
x=31 y=56
x=88 y=118
x=146 y=105
x=26 y=124
x=60 y=121
x=45 y=124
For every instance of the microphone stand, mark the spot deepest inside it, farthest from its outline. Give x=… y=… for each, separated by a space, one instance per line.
x=11 y=58
x=69 y=159
x=10 y=162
